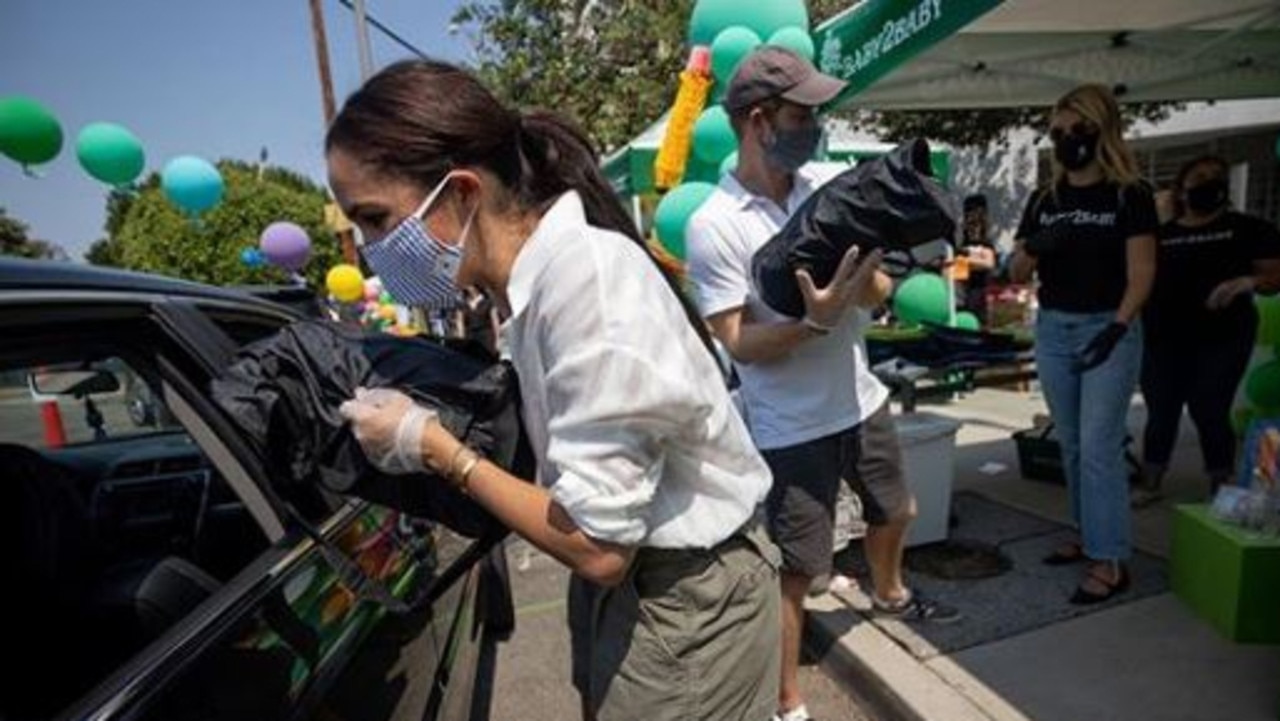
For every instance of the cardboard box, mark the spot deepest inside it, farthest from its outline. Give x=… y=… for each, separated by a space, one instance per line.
x=1227 y=575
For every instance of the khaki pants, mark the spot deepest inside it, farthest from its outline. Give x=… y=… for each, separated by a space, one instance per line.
x=689 y=635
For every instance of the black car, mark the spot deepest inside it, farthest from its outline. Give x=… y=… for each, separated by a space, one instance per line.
x=151 y=570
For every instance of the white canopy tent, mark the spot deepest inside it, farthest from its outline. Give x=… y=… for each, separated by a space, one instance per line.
x=1030 y=52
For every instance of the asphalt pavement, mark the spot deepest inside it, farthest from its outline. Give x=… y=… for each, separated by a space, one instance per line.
x=532 y=681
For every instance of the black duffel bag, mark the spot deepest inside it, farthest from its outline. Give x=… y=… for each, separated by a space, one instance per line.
x=891 y=202
x=284 y=392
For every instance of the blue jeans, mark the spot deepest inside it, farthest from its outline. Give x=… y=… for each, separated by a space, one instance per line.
x=1090 y=412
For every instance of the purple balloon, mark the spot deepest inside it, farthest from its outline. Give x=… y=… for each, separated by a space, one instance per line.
x=286 y=245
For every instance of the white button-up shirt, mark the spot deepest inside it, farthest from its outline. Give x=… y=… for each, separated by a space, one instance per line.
x=626 y=410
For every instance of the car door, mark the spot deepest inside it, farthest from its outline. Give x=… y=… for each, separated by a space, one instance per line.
x=371 y=614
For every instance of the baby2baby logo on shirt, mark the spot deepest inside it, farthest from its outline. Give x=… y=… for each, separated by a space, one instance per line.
x=1078 y=217
x=866 y=42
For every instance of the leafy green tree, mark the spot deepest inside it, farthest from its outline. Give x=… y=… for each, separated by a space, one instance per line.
x=15 y=240
x=612 y=65
x=147 y=232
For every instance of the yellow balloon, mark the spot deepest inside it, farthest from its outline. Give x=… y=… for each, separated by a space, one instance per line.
x=345 y=283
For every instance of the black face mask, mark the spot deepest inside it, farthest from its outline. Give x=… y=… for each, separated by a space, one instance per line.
x=1208 y=197
x=793 y=148
x=1075 y=150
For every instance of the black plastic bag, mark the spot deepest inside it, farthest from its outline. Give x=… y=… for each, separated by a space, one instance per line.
x=891 y=202
x=284 y=392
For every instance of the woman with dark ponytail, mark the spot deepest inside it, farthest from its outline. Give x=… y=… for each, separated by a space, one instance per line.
x=648 y=482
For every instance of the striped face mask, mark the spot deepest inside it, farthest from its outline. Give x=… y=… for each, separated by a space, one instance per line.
x=416 y=268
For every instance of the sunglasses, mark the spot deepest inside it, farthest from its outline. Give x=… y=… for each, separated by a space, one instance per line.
x=1079 y=127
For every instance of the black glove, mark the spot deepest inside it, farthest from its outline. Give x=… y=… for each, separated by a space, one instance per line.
x=1047 y=241
x=1099 y=348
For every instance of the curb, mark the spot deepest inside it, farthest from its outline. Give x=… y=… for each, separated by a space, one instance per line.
x=886 y=680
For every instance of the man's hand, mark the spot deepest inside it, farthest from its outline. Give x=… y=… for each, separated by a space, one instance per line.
x=388 y=425
x=825 y=307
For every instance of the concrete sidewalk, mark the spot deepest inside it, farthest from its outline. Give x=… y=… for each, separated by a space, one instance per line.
x=1145 y=659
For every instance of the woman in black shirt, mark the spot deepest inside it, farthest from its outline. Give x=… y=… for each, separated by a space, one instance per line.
x=1090 y=237
x=1200 y=322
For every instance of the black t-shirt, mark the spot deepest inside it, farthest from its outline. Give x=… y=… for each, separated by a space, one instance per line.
x=1089 y=271
x=1192 y=261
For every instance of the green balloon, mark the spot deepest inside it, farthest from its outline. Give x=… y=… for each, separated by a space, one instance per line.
x=922 y=298
x=713 y=138
x=967 y=321
x=763 y=17
x=110 y=153
x=673 y=213
x=1262 y=385
x=1268 y=319
x=729 y=48
x=729 y=164
x=28 y=132
x=795 y=39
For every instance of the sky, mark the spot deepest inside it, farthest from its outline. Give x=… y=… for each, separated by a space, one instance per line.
x=212 y=78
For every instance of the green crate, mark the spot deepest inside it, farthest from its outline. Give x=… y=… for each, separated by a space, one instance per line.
x=1227 y=575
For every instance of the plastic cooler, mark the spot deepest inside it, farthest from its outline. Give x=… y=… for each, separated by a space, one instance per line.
x=928 y=450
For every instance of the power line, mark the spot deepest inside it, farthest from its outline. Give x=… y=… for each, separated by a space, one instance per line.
x=391 y=34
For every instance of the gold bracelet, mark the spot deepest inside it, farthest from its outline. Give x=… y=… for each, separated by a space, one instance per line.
x=453 y=460
x=464 y=478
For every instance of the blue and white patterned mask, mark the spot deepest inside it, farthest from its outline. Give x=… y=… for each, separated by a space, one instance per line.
x=416 y=268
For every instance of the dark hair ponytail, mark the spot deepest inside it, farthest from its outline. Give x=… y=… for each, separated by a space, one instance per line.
x=417 y=119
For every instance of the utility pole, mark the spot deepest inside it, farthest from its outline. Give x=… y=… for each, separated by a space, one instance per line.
x=330 y=107
x=362 y=42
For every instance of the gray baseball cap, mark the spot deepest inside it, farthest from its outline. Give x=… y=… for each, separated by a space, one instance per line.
x=776 y=72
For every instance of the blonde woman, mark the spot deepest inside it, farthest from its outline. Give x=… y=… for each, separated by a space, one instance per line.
x=1090 y=239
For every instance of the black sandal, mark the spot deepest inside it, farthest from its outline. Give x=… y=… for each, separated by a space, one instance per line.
x=1065 y=555
x=1085 y=597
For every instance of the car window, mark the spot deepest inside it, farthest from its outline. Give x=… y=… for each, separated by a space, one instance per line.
x=117 y=525
x=78 y=402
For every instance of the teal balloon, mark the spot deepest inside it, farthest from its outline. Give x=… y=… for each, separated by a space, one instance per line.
x=110 y=153
x=795 y=39
x=1268 y=319
x=191 y=183
x=762 y=17
x=673 y=212
x=1262 y=385
x=729 y=48
x=713 y=138
x=922 y=298
x=967 y=321
x=29 y=133
x=729 y=164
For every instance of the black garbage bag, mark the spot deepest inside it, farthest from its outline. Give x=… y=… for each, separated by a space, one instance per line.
x=891 y=202
x=284 y=392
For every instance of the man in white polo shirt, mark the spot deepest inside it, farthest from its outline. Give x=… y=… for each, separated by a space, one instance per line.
x=815 y=410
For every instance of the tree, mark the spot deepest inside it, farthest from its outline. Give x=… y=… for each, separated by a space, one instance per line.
x=147 y=232
x=14 y=240
x=611 y=65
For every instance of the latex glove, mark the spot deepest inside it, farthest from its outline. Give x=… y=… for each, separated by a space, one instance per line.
x=388 y=425
x=825 y=307
x=1047 y=241
x=1099 y=349
x=1228 y=290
